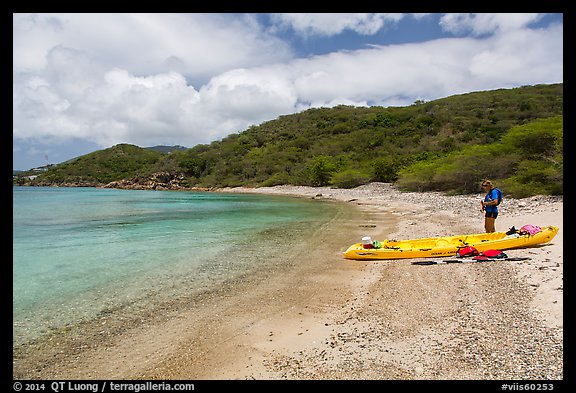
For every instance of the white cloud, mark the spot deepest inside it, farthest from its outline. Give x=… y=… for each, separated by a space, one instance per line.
x=330 y=24
x=246 y=93
x=479 y=24
x=520 y=57
x=197 y=45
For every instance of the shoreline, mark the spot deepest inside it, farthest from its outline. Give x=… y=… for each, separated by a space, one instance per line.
x=330 y=318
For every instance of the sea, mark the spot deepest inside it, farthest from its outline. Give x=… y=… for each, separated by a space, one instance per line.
x=81 y=252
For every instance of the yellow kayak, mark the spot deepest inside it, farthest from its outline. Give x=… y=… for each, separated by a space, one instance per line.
x=448 y=245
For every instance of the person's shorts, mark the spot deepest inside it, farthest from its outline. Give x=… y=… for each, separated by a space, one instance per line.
x=491 y=215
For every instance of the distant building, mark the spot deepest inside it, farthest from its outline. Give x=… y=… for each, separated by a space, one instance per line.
x=42 y=168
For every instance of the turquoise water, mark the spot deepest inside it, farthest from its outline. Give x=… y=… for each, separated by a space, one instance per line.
x=80 y=251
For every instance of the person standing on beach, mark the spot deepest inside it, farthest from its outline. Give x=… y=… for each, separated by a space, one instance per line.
x=490 y=205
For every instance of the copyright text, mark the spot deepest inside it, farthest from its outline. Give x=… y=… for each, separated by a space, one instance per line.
x=100 y=386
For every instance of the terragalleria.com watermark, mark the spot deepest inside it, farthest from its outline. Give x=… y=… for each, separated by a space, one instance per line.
x=100 y=386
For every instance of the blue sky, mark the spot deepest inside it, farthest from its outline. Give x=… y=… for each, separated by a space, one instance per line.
x=83 y=82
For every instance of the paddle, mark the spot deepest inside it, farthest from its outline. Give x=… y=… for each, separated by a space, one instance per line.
x=445 y=261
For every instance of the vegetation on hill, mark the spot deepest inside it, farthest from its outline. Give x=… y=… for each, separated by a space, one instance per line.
x=103 y=166
x=527 y=160
x=513 y=136
x=167 y=149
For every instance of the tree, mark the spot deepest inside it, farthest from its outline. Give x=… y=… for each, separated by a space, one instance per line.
x=385 y=170
x=320 y=171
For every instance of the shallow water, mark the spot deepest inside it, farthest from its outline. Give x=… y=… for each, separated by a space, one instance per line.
x=81 y=252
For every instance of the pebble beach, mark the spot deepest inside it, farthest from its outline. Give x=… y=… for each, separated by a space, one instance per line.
x=479 y=321
x=325 y=317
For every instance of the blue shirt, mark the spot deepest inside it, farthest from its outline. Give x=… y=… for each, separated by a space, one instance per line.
x=491 y=196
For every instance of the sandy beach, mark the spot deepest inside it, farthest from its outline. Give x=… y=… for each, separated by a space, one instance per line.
x=325 y=317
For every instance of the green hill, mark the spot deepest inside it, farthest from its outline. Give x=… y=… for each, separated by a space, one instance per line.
x=427 y=145
x=102 y=166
